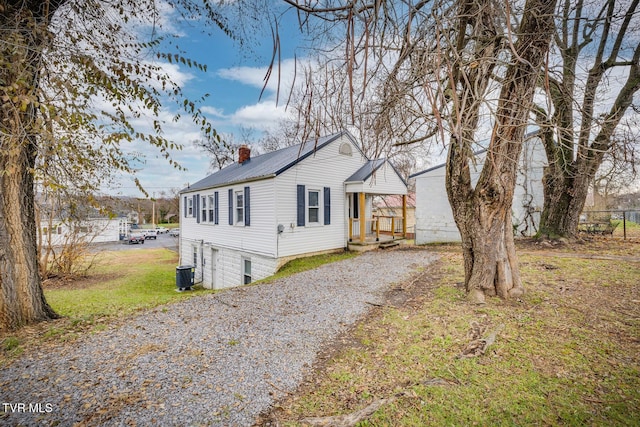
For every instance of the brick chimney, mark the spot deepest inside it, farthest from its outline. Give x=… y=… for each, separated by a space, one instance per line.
x=244 y=153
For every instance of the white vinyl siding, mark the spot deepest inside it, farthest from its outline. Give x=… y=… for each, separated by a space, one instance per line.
x=434 y=218
x=258 y=238
x=312 y=174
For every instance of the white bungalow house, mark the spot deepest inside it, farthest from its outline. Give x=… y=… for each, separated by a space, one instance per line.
x=434 y=218
x=245 y=221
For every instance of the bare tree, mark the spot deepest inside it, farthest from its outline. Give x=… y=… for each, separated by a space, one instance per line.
x=616 y=173
x=221 y=151
x=603 y=38
x=74 y=76
x=462 y=67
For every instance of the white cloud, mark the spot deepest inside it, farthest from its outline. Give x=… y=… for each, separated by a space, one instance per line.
x=213 y=111
x=251 y=76
x=173 y=71
x=262 y=116
x=265 y=113
x=285 y=73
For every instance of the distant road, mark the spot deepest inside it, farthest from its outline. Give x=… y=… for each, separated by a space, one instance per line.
x=163 y=241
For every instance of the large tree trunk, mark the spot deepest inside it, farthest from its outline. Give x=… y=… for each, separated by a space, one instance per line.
x=21 y=298
x=483 y=213
x=574 y=161
x=564 y=197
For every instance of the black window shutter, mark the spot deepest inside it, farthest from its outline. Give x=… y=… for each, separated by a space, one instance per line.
x=247 y=207
x=230 y=206
x=196 y=207
x=215 y=208
x=301 y=204
x=185 y=206
x=327 y=205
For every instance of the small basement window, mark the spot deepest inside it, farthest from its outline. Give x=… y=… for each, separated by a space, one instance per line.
x=246 y=271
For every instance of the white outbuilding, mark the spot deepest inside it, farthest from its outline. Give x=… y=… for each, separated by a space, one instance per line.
x=434 y=218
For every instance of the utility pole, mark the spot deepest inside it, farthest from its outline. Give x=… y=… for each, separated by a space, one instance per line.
x=153 y=209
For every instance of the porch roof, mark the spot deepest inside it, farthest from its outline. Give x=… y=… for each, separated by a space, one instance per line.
x=376 y=177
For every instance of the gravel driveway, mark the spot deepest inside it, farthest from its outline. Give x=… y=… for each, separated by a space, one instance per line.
x=219 y=359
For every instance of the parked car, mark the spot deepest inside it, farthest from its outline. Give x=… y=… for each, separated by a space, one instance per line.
x=135 y=238
x=175 y=232
x=161 y=230
x=150 y=234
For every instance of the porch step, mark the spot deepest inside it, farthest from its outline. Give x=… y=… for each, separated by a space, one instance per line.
x=389 y=244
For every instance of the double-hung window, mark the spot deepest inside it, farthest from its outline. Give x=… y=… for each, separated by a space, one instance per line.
x=314 y=206
x=239 y=208
x=190 y=206
x=211 y=204
x=204 y=208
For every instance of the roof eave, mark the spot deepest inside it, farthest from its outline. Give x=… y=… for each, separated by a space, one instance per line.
x=228 y=184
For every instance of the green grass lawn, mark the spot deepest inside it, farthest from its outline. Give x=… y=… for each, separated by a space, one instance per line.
x=307 y=263
x=127 y=281
x=122 y=282
x=566 y=354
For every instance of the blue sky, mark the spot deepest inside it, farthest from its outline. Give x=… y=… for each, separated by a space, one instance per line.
x=233 y=80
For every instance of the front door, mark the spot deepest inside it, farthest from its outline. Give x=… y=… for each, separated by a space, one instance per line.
x=354 y=206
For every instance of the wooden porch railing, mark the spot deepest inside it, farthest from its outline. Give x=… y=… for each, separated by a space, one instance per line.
x=374 y=227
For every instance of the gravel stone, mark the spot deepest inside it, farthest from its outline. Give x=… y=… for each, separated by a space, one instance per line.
x=219 y=359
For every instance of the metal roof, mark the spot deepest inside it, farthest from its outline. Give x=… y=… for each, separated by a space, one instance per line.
x=528 y=135
x=265 y=165
x=366 y=170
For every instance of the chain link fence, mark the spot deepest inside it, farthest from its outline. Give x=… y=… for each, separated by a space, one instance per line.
x=621 y=224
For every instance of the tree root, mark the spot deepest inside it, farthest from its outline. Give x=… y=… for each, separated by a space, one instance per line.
x=479 y=346
x=348 y=420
